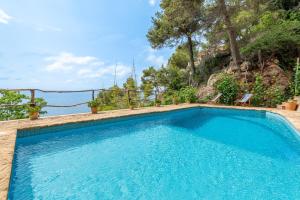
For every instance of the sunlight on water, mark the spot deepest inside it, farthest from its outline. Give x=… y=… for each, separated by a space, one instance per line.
x=189 y=154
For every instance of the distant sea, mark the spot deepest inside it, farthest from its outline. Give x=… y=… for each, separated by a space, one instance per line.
x=65 y=99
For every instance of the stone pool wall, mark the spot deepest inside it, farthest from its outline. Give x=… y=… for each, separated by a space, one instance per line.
x=8 y=129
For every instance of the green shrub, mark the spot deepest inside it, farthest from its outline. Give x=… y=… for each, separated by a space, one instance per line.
x=176 y=97
x=188 y=94
x=258 y=91
x=94 y=103
x=228 y=86
x=12 y=112
x=205 y=99
x=274 y=95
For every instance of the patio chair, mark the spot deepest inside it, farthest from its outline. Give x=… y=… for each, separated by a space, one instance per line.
x=244 y=100
x=216 y=99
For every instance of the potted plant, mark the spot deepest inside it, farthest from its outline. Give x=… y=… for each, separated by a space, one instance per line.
x=35 y=110
x=291 y=105
x=93 y=104
x=157 y=102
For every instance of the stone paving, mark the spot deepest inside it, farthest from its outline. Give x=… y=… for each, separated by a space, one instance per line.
x=8 y=129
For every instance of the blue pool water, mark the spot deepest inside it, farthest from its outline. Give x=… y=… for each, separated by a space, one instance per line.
x=198 y=153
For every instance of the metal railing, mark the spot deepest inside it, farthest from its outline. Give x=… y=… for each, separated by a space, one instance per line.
x=130 y=94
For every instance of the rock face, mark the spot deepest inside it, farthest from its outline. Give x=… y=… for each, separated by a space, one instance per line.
x=274 y=75
x=212 y=80
x=208 y=90
x=205 y=91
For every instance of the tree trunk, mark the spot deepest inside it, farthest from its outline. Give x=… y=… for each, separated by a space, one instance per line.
x=235 y=52
x=191 y=52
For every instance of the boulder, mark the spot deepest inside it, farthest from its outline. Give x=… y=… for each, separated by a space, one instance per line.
x=205 y=91
x=274 y=75
x=212 y=80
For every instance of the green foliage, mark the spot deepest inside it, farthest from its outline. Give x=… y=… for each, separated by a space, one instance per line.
x=275 y=38
x=39 y=104
x=205 y=99
x=19 y=108
x=147 y=90
x=258 y=91
x=177 y=19
x=173 y=78
x=113 y=98
x=94 y=103
x=167 y=98
x=188 y=94
x=283 y=4
x=228 y=86
x=180 y=58
x=157 y=101
x=274 y=96
x=212 y=64
x=277 y=34
x=297 y=79
x=176 y=97
x=132 y=96
x=12 y=112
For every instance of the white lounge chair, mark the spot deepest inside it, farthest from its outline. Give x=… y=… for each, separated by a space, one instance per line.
x=216 y=99
x=245 y=99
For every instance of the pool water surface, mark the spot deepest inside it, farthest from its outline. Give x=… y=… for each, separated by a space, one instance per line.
x=197 y=153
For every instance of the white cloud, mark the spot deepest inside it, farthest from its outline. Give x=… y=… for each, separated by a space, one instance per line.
x=155 y=59
x=152 y=2
x=67 y=61
x=43 y=28
x=121 y=71
x=4 y=17
x=84 y=66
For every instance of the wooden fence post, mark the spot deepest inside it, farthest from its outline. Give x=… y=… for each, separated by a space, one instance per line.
x=93 y=95
x=32 y=97
x=129 y=99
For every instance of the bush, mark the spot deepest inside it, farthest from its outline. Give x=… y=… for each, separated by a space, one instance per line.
x=275 y=95
x=258 y=91
x=94 y=103
x=12 y=112
x=188 y=94
x=228 y=86
x=205 y=99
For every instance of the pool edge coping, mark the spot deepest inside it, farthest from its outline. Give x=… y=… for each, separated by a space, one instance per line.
x=8 y=135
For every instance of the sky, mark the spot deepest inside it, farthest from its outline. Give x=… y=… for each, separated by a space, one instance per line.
x=68 y=44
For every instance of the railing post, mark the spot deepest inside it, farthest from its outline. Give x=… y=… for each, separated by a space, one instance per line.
x=93 y=95
x=32 y=97
x=129 y=99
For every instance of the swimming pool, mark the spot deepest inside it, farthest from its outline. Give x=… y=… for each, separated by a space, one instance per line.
x=197 y=153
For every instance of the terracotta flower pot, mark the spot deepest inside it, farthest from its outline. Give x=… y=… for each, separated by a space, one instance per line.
x=290 y=105
x=94 y=110
x=34 y=115
x=157 y=104
x=131 y=107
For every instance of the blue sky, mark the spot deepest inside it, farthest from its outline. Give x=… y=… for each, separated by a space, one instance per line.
x=68 y=44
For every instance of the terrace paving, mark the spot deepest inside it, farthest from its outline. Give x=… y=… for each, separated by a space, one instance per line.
x=8 y=129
